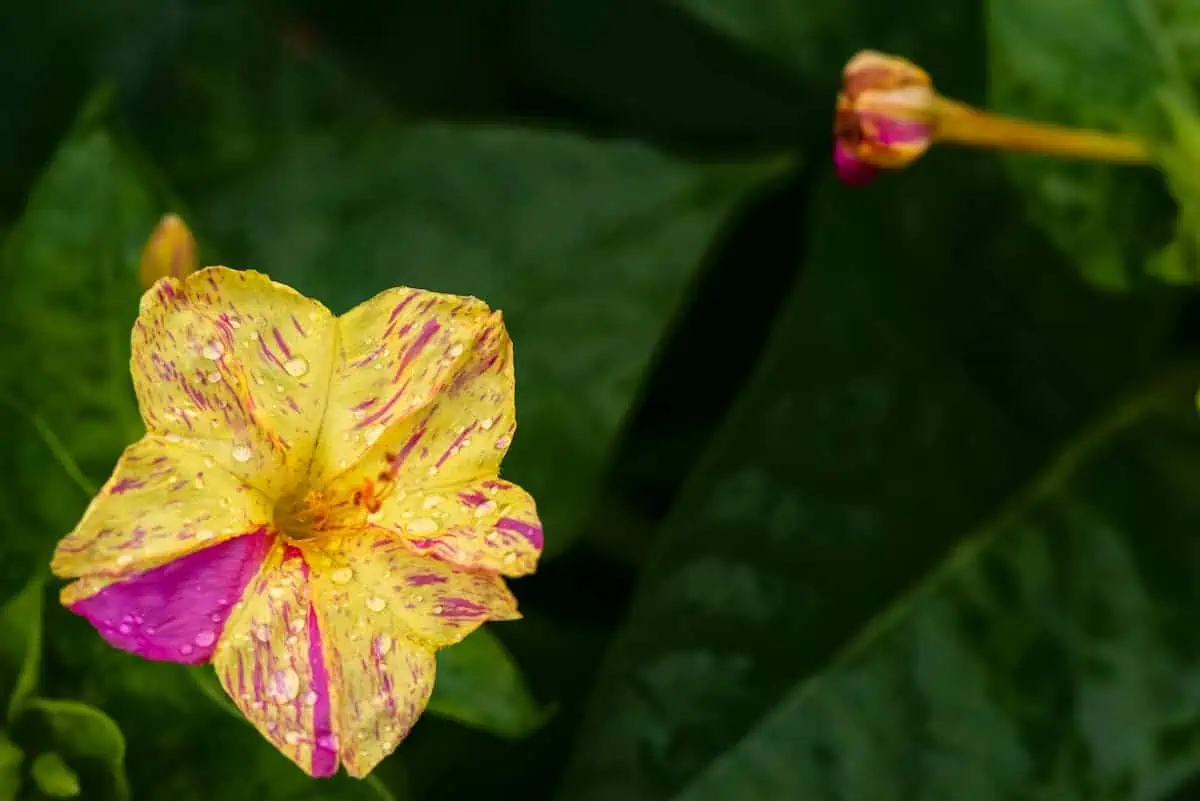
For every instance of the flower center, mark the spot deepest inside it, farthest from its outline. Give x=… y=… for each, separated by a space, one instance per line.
x=302 y=514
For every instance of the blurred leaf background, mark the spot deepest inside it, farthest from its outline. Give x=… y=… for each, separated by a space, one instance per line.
x=873 y=494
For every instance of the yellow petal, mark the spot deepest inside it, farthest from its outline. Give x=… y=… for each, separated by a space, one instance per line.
x=238 y=366
x=486 y=524
x=383 y=612
x=425 y=378
x=373 y=578
x=170 y=252
x=270 y=661
x=164 y=500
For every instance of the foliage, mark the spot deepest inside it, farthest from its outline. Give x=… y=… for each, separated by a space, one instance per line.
x=849 y=494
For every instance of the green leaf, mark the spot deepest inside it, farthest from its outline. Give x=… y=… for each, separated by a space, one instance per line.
x=587 y=246
x=1107 y=68
x=11 y=758
x=69 y=301
x=21 y=646
x=88 y=740
x=54 y=777
x=894 y=412
x=479 y=684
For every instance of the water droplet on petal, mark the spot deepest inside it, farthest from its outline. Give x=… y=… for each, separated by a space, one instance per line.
x=310 y=698
x=341 y=576
x=292 y=737
x=432 y=501
x=296 y=366
x=262 y=634
x=124 y=628
x=124 y=559
x=503 y=442
x=275 y=592
x=486 y=423
x=374 y=434
x=422 y=525
x=456 y=350
x=287 y=684
x=214 y=377
x=242 y=452
x=205 y=638
x=383 y=644
x=376 y=604
x=212 y=350
x=186 y=650
x=327 y=742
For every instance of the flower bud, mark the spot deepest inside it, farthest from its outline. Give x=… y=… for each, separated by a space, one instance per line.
x=886 y=115
x=169 y=252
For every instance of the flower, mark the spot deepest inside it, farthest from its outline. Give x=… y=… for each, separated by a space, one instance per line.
x=314 y=508
x=169 y=252
x=885 y=116
x=888 y=115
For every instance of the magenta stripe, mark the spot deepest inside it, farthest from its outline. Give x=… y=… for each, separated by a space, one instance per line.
x=324 y=758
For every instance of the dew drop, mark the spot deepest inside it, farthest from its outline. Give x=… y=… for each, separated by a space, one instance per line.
x=422 y=525
x=212 y=351
x=204 y=534
x=242 y=452
x=262 y=634
x=341 y=576
x=292 y=737
x=296 y=366
x=275 y=592
x=327 y=742
x=287 y=684
x=432 y=501
x=374 y=434
x=296 y=624
x=186 y=650
x=376 y=604
x=214 y=377
x=438 y=609
x=456 y=350
x=254 y=335
x=235 y=322
x=124 y=559
x=383 y=644
x=310 y=698
x=485 y=508
x=124 y=628
x=486 y=423
x=205 y=638
x=215 y=617
x=503 y=442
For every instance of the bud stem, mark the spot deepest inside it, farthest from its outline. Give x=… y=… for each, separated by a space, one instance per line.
x=966 y=125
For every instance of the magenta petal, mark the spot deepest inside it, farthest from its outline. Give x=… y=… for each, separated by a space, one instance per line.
x=176 y=612
x=325 y=754
x=850 y=169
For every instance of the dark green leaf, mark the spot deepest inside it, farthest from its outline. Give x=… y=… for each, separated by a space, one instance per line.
x=895 y=411
x=53 y=777
x=69 y=301
x=1106 y=68
x=88 y=740
x=480 y=685
x=21 y=646
x=587 y=246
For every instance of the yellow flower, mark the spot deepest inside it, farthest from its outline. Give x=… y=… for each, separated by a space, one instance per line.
x=170 y=252
x=315 y=507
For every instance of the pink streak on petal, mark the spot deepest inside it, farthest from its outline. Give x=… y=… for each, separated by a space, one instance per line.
x=176 y=612
x=324 y=757
x=124 y=485
x=530 y=531
x=850 y=169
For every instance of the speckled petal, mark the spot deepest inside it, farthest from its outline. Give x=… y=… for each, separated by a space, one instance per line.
x=270 y=660
x=384 y=612
x=376 y=579
x=174 y=612
x=165 y=500
x=425 y=379
x=239 y=366
x=488 y=524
